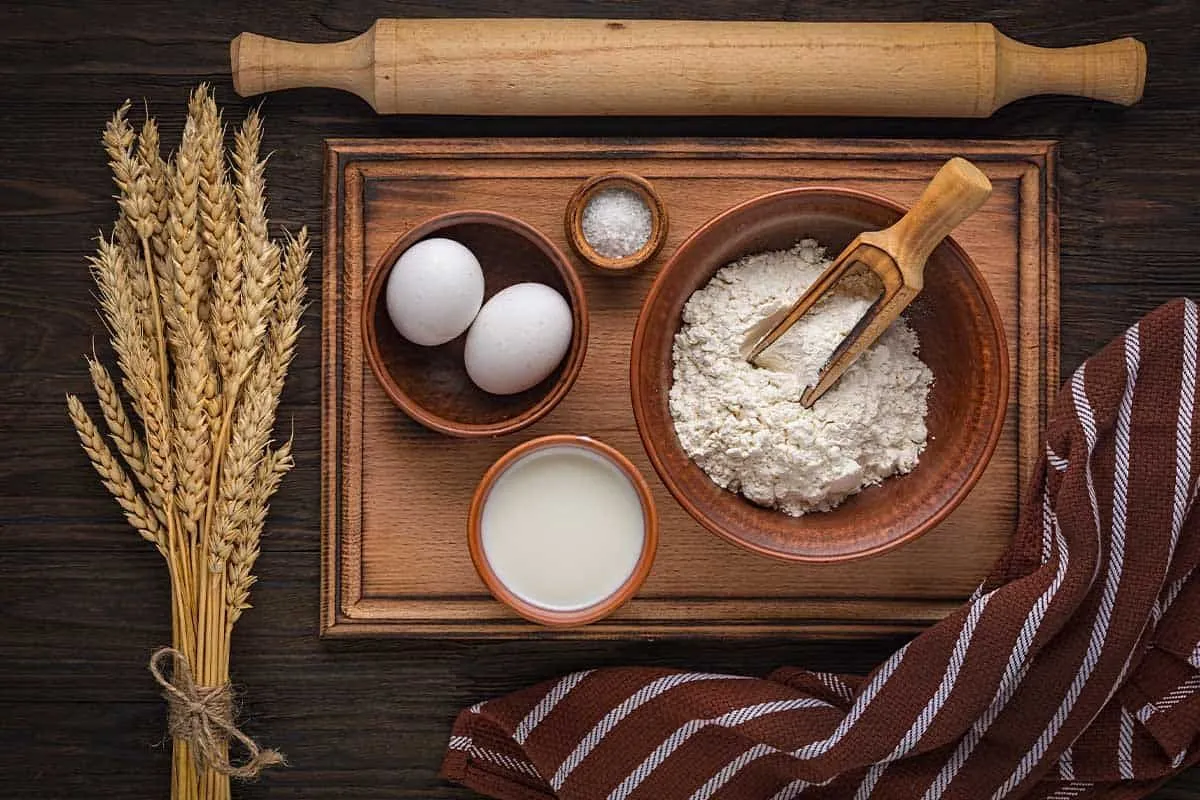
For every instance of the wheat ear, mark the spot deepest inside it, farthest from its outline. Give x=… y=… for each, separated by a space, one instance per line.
x=246 y=547
x=149 y=155
x=114 y=478
x=284 y=327
x=138 y=365
x=125 y=436
x=222 y=240
x=129 y=290
x=245 y=426
x=260 y=400
x=119 y=141
x=216 y=216
x=243 y=521
x=245 y=499
x=133 y=198
x=195 y=379
x=261 y=257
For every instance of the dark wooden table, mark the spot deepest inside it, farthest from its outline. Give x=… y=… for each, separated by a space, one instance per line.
x=83 y=601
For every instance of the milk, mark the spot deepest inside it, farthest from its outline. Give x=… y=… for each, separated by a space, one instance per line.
x=562 y=528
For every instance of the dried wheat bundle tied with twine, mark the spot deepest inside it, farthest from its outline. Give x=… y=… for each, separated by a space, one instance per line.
x=203 y=310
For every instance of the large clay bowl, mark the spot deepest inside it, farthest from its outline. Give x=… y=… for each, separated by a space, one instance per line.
x=962 y=341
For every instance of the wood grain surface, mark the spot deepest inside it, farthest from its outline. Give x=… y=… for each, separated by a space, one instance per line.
x=83 y=601
x=554 y=66
x=396 y=495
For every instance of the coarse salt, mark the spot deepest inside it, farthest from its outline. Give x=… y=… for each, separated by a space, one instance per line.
x=616 y=222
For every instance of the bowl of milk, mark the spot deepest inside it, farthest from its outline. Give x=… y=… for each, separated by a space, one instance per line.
x=562 y=529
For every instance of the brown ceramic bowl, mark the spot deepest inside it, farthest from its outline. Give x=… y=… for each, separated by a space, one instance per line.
x=536 y=613
x=962 y=341
x=573 y=221
x=430 y=384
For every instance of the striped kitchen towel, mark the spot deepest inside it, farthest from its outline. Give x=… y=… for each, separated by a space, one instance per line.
x=1074 y=671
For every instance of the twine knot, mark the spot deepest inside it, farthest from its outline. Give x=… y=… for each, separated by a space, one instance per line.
x=203 y=716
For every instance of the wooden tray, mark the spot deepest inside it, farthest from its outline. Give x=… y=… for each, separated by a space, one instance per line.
x=395 y=495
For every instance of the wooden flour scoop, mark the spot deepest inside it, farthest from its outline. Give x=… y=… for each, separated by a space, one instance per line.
x=896 y=255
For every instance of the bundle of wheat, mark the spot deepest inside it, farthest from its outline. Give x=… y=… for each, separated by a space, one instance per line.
x=203 y=309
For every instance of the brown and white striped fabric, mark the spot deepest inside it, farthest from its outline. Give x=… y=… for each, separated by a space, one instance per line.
x=1074 y=671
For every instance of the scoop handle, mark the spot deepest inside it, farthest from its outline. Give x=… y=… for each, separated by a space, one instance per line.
x=956 y=192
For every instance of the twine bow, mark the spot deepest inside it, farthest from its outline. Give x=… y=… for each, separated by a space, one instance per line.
x=203 y=717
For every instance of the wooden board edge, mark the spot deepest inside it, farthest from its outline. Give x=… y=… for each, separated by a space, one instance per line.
x=344 y=567
x=347 y=630
x=350 y=566
x=586 y=147
x=342 y=196
x=1038 y=307
x=916 y=617
x=331 y=390
x=1053 y=286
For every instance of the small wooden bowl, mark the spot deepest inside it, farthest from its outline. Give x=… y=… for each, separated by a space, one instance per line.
x=538 y=614
x=616 y=180
x=430 y=384
x=962 y=341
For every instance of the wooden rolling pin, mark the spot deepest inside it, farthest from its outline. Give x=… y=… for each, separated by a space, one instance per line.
x=587 y=67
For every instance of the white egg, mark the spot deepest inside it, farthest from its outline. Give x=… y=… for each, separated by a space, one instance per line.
x=518 y=338
x=434 y=291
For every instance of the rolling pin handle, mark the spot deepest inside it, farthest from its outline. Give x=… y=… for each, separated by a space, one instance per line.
x=1114 y=71
x=262 y=64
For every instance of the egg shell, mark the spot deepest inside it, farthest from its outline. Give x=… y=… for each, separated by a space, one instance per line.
x=434 y=291
x=518 y=338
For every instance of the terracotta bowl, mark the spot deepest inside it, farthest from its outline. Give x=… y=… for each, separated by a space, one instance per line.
x=537 y=613
x=962 y=341
x=430 y=384
x=573 y=221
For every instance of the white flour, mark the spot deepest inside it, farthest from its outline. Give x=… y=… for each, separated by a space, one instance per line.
x=745 y=427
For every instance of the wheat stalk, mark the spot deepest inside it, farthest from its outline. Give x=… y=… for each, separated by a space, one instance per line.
x=245 y=430
x=252 y=425
x=118 y=274
x=223 y=239
x=255 y=470
x=189 y=338
x=203 y=310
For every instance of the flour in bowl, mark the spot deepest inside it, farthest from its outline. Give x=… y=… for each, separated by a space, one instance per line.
x=744 y=425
